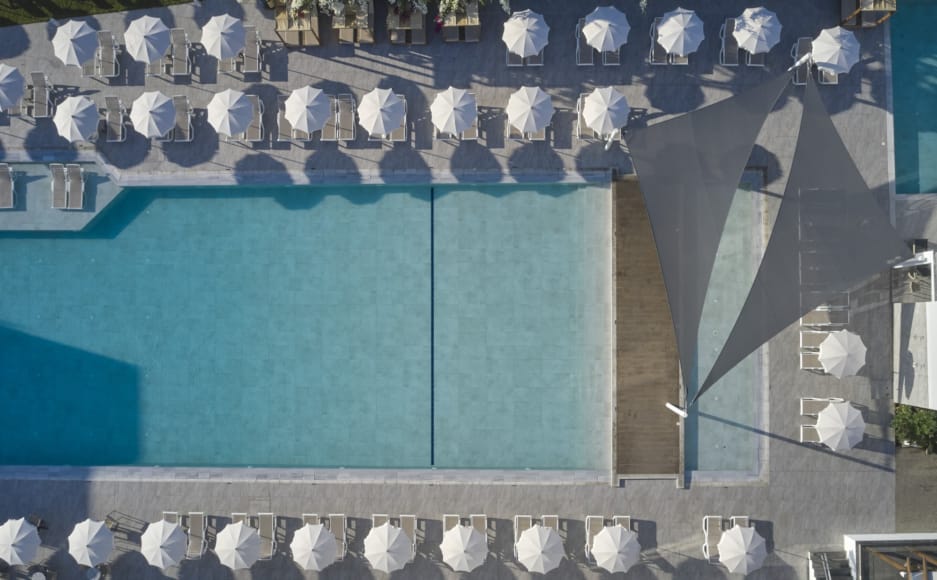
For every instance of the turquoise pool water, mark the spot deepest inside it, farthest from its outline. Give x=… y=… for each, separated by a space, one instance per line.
x=368 y=326
x=914 y=92
x=721 y=431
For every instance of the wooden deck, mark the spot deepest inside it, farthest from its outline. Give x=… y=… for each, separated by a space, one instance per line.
x=646 y=434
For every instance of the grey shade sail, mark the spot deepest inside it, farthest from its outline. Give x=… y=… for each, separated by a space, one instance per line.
x=689 y=169
x=830 y=234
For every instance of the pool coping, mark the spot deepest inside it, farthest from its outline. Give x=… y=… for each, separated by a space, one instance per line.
x=889 y=124
x=304 y=475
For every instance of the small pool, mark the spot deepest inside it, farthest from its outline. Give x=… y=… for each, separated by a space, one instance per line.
x=366 y=326
x=914 y=92
x=722 y=431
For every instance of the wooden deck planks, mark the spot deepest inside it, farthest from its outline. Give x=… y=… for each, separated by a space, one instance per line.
x=647 y=436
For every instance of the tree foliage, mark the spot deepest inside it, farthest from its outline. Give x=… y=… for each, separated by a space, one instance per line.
x=916 y=426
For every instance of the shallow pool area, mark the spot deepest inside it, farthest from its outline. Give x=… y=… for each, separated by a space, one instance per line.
x=355 y=326
x=914 y=96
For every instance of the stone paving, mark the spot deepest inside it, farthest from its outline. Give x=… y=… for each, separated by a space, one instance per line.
x=806 y=498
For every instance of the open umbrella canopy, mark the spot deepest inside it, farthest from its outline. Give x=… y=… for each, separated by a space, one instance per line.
x=223 y=36
x=540 y=549
x=606 y=28
x=616 y=549
x=153 y=114
x=530 y=109
x=147 y=39
x=388 y=548
x=90 y=543
x=313 y=547
x=454 y=110
x=526 y=33
x=680 y=32
x=308 y=109
x=836 y=50
x=76 y=119
x=840 y=426
x=230 y=112
x=238 y=546
x=757 y=30
x=11 y=86
x=163 y=544
x=381 y=112
x=742 y=550
x=19 y=542
x=463 y=548
x=605 y=110
x=842 y=353
x=75 y=42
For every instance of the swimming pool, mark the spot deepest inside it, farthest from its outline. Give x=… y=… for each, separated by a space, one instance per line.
x=721 y=433
x=356 y=326
x=914 y=96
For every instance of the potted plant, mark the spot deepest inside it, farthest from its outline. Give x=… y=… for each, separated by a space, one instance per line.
x=341 y=7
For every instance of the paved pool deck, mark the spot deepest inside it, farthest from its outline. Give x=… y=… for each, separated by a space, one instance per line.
x=805 y=499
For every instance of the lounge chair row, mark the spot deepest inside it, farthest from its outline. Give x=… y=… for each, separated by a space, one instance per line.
x=816 y=325
x=810 y=407
x=68 y=186
x=713 y=526
x=195 y=525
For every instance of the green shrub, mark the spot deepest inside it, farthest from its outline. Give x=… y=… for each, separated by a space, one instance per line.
x=916 y=426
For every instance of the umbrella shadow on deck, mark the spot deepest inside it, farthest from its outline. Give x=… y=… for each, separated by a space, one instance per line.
x=43 y=143
x=472 y=162
x=261 y=169
x=402 y=164
x=535 y=162
x=127 y=153
x=14 y=41
x=201 y=149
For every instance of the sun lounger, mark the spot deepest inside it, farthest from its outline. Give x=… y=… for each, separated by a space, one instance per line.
x=729 y=52
x=658 y=55
x=171 y=517
x=89 y=68
x=399 y=135
x=827 y=77
x=812 y=339
x=76 y=186
x=740 y=521
x=583 y=131
x=59 y=191
x=378 y=520
x=803 y=46
x=182 y=131
x=585 y=54
x=809 y=434
x=108 y=64
x=310 y=519
x=238 y=517
x=712 y=533
x=330 y=129
x=194 y=525
x=284 y=129
x=114 y=113
x=6 y=187
x=345 y=117
x=267 y=529
x=552 y=522
x=611 y=57
x=521 y=525
x=336 y=524
x=825 y=317
x=512 y=132
x=623 y=521
x=408 y=525
x=594 y=525
x=255 y=131
x=450 y=521
x=181 y=62
x=480 y=523
x=535 y=60
x=540 y=135
x=41 y=91
x=811 y=406
x=471 y=134
x=758 y=59
x=678 y=60
x=252 y=51
x=158 y=66
x=810 y=361
x=512 y=59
